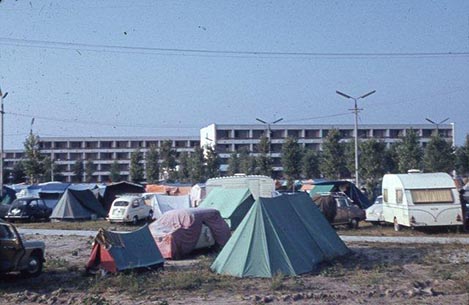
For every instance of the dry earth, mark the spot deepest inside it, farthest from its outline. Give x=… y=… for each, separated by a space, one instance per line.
x=373 y=274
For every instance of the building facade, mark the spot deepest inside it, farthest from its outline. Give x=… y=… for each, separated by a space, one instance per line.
x=225 y=138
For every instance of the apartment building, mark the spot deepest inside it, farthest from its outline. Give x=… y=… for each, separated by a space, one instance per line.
x=228 y=138
x=103 y=151
x=225 y=138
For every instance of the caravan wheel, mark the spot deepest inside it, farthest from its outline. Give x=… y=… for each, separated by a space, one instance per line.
x=397 y=227
x=135 y=220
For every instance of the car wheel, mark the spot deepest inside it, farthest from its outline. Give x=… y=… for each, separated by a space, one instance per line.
x=150 y=215
x=32 y=218
x=34 y=266
x=397 y=227
x=135 y=220
x=354 y=223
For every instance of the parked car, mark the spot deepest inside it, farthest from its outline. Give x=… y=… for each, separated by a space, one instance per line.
x=346 y=213
x=374 y=214
x=16 y=254
x=129 y=209
x=30 y=208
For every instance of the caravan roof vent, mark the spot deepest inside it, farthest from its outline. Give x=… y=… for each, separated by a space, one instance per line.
x=414 y=171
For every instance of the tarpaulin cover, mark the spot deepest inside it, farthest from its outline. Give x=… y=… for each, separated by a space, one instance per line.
x=233 y=204
x=162 y=204
x=113 y=251
x=111 y=191
x=176 y=233
x=285 y=234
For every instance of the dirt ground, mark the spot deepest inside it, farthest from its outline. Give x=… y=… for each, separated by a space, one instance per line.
x=373 y=274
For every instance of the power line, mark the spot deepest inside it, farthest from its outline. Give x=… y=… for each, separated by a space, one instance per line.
x=28 y=43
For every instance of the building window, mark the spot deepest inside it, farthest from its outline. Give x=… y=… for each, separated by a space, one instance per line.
x=242 y=134
x=312 y=134
x=106 y=144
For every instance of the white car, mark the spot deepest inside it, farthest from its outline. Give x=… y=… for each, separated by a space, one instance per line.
x=129 y=209
x=374 y=213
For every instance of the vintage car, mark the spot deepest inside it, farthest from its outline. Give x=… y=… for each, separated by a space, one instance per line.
x=16 y=254
x=129 y=209
x=31 y=209
x=374 y=214
x=346 y=213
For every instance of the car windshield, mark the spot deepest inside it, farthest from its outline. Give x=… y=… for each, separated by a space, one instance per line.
x=121 y=203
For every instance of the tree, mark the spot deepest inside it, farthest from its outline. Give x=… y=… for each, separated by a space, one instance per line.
x=310 y=164
x=18 y=173
x=233 y=164
x=89 y=170
x=291 y=159
x=390 y=161
x=462 y=158
x=212 y=162
x=183 y=173
x=263 y=160
x=333 y=160
x=247 y=163
x=33 y=162
x=78 y=170
x=153 y=166
x=409 y=152
x=438 y=155
x=168 y=157
x=115 y=172
x=372 y=168
x=197 y=165
x=136 y=170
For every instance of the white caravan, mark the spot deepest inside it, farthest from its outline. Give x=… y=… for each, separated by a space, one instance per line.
x=420 y=199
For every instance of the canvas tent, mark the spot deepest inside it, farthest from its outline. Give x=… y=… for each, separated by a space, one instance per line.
x=285 y=234
x=111 y=191
x=233 y=204
x=178 y=232
x=344 y=186
x=114 y=252
x=74 y=205
x=164 y=203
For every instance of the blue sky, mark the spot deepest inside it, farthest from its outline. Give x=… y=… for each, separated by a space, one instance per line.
x=98 y=68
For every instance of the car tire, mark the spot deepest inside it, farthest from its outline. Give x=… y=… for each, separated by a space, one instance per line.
x=35 y=264
x=397 y=227
x=354 y=223
x=32 y=218
x=150 y=215
x=135 y=220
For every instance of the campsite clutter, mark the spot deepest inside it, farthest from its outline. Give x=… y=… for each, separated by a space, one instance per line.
x=258 y=231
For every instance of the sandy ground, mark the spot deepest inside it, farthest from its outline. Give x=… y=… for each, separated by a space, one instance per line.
x=373 y=274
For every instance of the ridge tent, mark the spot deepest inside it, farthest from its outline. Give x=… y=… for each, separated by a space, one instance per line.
x=114 y=252
x=75 y=205
x=179 y=232
x=111 y=191
x=233 y=204
x=164 y=203
x=285 y=234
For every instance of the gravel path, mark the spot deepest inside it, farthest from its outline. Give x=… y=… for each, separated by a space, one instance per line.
x=377 y=239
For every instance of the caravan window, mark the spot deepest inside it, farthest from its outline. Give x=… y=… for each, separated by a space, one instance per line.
x=432 y=196
x=398 y=195
x=385 y=195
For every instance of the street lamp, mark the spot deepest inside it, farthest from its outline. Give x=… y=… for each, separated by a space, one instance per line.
x=2 y=96
x=437 y=124
x=268 y=129
x=355 y=110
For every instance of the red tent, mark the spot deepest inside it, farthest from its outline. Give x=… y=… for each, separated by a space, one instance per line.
x=115 y=252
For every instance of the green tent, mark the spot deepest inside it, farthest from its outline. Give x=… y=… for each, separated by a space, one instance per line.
x=286 y=234
x=233 y=204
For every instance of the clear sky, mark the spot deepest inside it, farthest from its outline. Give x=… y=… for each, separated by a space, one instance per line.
x=124 y=68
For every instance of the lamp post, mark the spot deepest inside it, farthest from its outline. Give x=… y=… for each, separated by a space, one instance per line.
x=267 y=124
x=2 y=96
x=355 y=110
x=437 y=124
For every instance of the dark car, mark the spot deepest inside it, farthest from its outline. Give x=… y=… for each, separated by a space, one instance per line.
x=26 y=256
x=343 y=210
x=31 y=209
